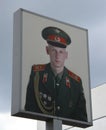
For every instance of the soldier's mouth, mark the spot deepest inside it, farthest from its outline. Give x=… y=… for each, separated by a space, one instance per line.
x=57 y=61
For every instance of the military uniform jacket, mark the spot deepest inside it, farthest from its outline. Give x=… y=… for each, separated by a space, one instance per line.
x=64 y=98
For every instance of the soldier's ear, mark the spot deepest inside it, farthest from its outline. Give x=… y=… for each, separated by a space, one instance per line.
x=47 y=50
x=66 y=54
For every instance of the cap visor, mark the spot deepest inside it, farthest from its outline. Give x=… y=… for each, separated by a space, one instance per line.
x=57 y=44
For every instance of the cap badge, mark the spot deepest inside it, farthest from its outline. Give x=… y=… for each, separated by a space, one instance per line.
x=57 y=38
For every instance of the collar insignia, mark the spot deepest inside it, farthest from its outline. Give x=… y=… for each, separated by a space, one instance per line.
x=68 y=82
x=45 y=77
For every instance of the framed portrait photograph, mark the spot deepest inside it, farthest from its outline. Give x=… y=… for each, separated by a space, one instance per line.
x=51 y=76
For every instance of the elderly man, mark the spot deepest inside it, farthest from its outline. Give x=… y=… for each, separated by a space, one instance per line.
x=52 y=88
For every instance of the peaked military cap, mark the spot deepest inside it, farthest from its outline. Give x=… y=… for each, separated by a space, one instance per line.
x=56 y=37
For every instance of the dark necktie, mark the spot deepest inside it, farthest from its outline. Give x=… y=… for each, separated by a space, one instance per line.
x=57 y=84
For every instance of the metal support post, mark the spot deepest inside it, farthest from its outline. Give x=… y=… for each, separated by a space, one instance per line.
x=55 y=124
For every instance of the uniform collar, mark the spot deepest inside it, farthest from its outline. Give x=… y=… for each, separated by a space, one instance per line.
x=55 y=74
x=48 y=67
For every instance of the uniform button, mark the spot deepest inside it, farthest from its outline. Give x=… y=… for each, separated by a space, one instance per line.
x=58 y=107
x=57 y=84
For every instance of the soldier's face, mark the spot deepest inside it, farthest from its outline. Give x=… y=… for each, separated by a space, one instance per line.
x=57 y=55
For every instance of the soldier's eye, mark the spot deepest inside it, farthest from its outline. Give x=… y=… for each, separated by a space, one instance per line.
x=61 y=51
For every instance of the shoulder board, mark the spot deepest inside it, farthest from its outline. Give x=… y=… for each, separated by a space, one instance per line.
x=74 y=76
x=40 y=67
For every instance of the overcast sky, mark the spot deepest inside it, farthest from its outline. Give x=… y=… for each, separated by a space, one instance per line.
x=89 y=14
